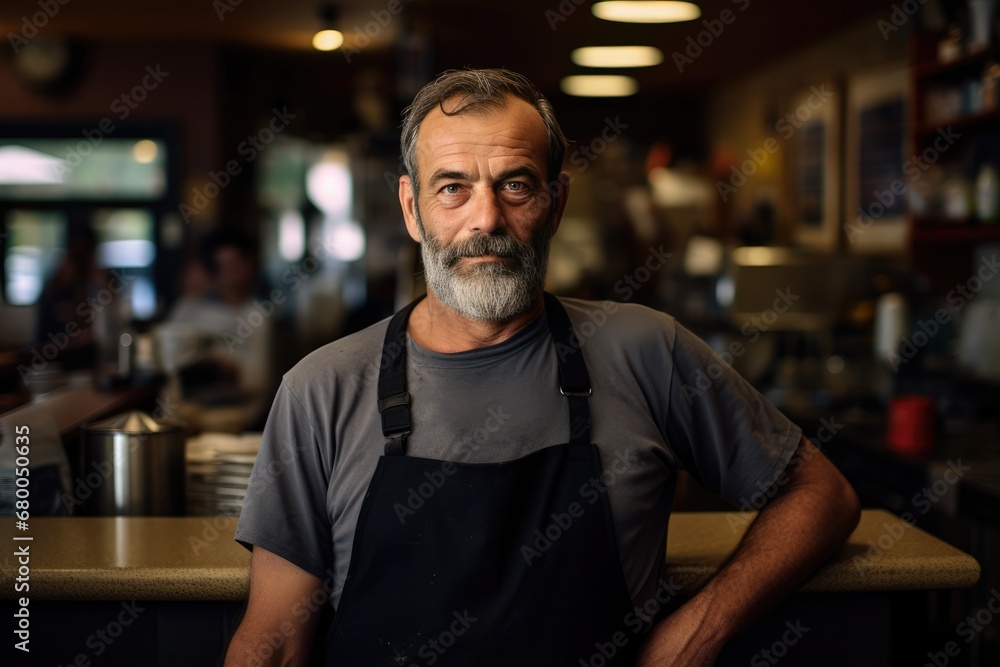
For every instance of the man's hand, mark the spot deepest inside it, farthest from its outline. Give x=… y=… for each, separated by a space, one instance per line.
x=811 y=515
x=280 y=620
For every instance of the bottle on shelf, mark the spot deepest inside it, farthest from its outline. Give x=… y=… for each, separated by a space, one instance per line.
x=991 y=87
x=950 y=48
x=988 y=194
x=956 y=198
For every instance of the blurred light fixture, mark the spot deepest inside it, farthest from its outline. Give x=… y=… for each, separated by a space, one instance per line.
x=329 y=184
x=646 y=11
x=144 y=151
x=327 y=39
x=599 y=85
x=346 y=240
x=291 y=236
x=617 y=56
x=756 y=256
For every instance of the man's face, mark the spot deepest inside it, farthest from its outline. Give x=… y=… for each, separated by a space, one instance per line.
x=483 y=215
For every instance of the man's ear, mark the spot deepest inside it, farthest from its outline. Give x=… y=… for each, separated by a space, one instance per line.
x=408 y=203
x=559 y=199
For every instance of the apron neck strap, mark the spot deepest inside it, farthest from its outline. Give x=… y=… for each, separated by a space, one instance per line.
x=394 y=399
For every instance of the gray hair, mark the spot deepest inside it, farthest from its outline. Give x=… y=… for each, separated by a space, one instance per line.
x=479 y=90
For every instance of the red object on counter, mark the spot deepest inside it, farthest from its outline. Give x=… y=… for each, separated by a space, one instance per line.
x=911 y=425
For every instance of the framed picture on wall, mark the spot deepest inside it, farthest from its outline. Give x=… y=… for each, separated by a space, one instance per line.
x=875 y=195
x=814 y=165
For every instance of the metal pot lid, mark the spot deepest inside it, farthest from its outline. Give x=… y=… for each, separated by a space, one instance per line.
x=131 y=422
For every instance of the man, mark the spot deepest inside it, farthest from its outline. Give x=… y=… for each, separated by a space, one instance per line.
x=238 y=362
x=475 y=481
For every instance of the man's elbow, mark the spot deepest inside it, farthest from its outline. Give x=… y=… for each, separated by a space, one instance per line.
x=829 y=493
x=847 y=507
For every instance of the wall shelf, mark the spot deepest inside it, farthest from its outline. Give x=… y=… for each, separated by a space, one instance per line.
x=936 y=69
x=942 y=249
x=955 y=233
x=965 y=121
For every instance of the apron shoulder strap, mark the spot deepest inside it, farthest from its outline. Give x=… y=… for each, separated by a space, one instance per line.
x=393 y=398
x=574 y=381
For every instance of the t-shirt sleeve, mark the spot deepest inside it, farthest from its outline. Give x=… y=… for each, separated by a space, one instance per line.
x=285 y=507
x=721 y=429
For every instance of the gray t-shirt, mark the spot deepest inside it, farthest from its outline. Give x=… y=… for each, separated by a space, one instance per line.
x=662 y=400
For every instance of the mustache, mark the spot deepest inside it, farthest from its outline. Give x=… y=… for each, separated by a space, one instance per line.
x=501 y=245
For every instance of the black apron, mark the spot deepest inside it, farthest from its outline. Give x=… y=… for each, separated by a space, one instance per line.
x=501 y=563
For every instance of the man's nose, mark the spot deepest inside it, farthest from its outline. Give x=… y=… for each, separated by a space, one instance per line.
x=486 y=215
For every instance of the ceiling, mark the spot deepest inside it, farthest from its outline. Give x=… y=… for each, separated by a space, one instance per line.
x=532 y=36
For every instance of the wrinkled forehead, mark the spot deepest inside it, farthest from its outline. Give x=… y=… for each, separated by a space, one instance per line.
x=515 y=129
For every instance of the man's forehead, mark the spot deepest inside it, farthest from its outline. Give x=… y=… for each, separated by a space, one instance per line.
x=516 y=128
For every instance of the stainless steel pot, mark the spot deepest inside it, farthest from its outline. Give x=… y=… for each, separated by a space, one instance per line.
x=132 y=465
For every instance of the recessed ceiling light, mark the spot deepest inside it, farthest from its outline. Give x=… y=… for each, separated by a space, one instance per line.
x=144 y=151
x=649 y=11
x=617 y=56
x=593 y=85
x=328 y=40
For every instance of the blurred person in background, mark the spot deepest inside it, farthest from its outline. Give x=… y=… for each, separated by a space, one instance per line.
x=225 y=330
x=63 y=305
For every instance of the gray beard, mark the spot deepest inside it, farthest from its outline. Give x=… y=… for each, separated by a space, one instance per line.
x=486 y=291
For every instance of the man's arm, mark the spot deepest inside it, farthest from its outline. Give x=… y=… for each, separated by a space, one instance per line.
x=808 y=519
x=279 y=613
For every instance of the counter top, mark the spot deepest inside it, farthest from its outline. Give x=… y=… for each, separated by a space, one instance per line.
x=196 y=558
x=119 y=558
x=884 y=553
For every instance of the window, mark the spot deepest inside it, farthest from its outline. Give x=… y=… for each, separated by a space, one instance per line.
x=35 y=245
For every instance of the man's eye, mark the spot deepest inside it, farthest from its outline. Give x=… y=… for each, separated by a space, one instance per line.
x=451 y=189
x=516 y=186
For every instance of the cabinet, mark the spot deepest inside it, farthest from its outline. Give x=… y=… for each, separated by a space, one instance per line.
x=953 y=132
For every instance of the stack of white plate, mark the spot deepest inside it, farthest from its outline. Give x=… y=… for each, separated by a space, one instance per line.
x=218 y=471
